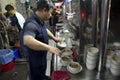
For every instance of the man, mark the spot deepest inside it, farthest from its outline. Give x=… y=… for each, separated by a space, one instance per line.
x=14 y=26
x=16 y=19
x=35 y=39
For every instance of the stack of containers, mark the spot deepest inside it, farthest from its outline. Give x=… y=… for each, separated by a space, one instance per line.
x=109 y=55
x=91 y=59
x=115 y=65
x=6 y=59
x=85 y=51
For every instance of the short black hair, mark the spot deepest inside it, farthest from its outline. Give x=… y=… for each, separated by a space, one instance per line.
x=43 y=4
x=9 y=7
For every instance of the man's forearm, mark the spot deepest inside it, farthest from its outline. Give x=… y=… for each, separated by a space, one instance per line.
x=34 y=44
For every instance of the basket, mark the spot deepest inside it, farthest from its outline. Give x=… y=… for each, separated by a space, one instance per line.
x=6 y=56
x=7 y=67
x=15 y=51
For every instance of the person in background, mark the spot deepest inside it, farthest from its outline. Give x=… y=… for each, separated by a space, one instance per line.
x=35 y=40
x=15 y=22
x=54 y=20
x=16 y=19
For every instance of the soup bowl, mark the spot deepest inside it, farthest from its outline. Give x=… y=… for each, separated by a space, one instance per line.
x=65 y=60
x=74 y=67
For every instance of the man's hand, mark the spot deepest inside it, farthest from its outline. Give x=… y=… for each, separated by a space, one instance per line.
x=55 y=50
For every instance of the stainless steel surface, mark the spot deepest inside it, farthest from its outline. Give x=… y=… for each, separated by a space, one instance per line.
x=105 y=9
x=86 y=74
x=80 y=32
x=92 y=75
x=19 y=72
x=95 y=21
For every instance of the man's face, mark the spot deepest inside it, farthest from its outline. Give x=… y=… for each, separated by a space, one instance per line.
x=46 y=14
x=10 y=12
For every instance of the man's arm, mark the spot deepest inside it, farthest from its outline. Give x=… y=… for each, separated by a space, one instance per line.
x=34 y=44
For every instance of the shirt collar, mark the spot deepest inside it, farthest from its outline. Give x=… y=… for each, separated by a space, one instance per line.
x=37 y=19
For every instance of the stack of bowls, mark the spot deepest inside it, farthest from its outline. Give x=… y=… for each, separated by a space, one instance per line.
x=115 y=65
x=85 y=51
x=117 y=52
x=109 y=55
x=91 y=59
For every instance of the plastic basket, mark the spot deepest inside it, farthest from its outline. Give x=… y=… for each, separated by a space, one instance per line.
x=6 y=56
x=7 y=67
x=15 y=51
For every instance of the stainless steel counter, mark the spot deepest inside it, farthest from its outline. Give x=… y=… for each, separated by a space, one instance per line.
x=85 y=74
x=80 y=76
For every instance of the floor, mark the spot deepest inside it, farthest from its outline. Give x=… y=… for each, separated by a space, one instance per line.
x=19 y=72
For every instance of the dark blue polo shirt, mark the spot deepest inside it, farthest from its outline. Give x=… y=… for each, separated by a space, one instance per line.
x=37 y=59
x=36 y=29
